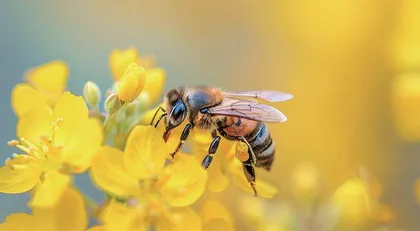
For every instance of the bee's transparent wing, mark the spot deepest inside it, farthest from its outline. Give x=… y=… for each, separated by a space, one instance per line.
x=269 y=96
x=248 y=109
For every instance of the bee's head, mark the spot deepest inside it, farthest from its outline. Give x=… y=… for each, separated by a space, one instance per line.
x=176 y=109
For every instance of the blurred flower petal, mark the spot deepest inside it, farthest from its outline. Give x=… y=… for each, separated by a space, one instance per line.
x=19 y=222
x=25 y=98
x=144 y=155
x=119 y=60
x=48 y=194
x=108 y=172
x=118 y=216
x=69 y=214
x=219 y=225
x=154 y=85
x=185 y=182
x=49 y=79
x=215 y=210
x=18 y=175
x=181 y=219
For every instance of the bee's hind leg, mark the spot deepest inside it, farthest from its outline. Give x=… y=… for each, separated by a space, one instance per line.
x=248 y=166
x=212 y=150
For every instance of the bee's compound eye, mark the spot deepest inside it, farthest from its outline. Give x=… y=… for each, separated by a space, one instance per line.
x=204 y=110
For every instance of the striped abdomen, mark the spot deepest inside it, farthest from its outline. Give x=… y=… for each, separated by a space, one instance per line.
x=263 y=146
x=257 y=135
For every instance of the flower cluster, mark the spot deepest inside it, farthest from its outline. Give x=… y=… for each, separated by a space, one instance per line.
x=60 y=135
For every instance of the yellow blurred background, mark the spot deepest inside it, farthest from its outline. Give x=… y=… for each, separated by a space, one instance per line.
x=352 y=66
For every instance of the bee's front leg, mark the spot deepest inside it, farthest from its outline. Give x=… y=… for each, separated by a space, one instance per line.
x=160 y=118
x=212 y=150
x=184 y=137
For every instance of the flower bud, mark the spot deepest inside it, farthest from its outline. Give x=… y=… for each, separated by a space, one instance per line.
x=119 y=60
x=112 y=104
x=92 y=93
x=131 y=83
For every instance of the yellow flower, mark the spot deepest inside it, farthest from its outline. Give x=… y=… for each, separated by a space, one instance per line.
x=156 y=195
x=119 y=60
x=56 y=142
x=215 y=216
x=406 y=103
x=132 y=83
x=68 y=214
x=305 y=181
x=353 y=201
x=357 y=200
x=45 y=84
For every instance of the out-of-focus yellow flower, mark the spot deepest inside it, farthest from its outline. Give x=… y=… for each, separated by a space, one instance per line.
x=45 y=83
x=156 y=196
x=119 y=60
x=131 y=83
x=262 y=215
x=305 y=181
x=155 y=83
x=215 y=216
x=354 y=202
x=406 y=103
x=56 y=142
x=68 y=214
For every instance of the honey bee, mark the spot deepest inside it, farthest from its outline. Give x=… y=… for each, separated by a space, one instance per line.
x=236 y=116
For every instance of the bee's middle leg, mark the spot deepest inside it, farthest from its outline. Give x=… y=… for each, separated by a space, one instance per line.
x=212 y=150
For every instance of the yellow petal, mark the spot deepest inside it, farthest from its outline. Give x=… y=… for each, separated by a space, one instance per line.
x=119 y=60
x=145 y=155
x=83 y=144
x=264 y=189
x=71 y=109
x=108 y=173
x=19 y=222
x=219 y=225
x=35 y=124
x=181 y=219
x=50 y=79
x=132 y=83
x=49 y=193
x=185 y=182
x=215 y=210
x=217 y=183
x=154 y=85
x=25 y=98
x=22 y=178
x=118 y=216
x=69 y=214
